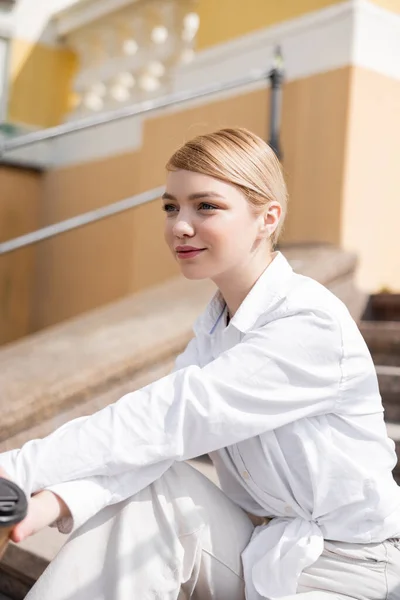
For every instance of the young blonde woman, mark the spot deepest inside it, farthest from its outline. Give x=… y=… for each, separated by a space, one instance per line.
x=277 y=385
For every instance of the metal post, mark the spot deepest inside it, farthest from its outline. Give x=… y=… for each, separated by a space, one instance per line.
x=276 y=77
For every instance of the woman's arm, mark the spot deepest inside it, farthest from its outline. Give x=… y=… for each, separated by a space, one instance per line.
x=44 y=508
x=284 y=371
x=68 y=505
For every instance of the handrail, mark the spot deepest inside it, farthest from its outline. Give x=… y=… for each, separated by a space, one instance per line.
x=122 y=205
x=129 y=111
x=83 y=219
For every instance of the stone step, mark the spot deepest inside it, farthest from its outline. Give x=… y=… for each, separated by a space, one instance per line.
x=332 y=267
x=61 y=367
x=393 y=430
x=389 y=385
x=19 y=570
x=91 y=405
x=384 y=306
x=383 y=341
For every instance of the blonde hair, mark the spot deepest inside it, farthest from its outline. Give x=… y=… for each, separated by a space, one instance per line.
x=239 y=157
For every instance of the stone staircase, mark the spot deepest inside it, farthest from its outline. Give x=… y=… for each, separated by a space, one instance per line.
x=383 y=340
x=84 y=364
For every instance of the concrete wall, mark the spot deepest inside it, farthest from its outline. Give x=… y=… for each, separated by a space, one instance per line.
x=371 y=207
x=41 y=77
x=19 y=214
x=228 y=19
x=39 y=62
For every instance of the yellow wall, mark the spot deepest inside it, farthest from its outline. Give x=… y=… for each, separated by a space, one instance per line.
x=314 y=133
x=371 y=215
x=40 y=83
x=225 y=20
x=19 y=214
x=327 y=137
x=46 y=73
x=392 y=5
x=97 y=264
x=333 y=152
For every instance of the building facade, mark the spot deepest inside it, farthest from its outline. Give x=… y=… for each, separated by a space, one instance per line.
x=68 y=60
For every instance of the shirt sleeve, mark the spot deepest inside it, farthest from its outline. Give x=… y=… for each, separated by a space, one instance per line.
x=190 y=356
x=85 y=497
x=284 y=371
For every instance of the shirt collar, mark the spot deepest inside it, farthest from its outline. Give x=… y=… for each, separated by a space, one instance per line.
x=268 y=289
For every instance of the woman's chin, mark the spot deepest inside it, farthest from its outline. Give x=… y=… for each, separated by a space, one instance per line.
x=194 y=274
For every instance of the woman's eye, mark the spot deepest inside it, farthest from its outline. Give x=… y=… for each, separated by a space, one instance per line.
x=169 y=208
x=207 y=206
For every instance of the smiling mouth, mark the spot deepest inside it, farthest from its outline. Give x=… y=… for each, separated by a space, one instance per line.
x=189 y=253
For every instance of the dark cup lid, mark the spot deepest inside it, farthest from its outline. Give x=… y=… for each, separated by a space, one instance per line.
x=13 y=503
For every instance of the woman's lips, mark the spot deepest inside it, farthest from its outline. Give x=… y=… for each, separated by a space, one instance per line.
x=189 y=253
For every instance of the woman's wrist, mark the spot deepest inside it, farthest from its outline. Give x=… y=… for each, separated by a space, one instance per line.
x=60 y=508
x=44 y=509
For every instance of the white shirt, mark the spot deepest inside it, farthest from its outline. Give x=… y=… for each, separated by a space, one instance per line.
x=285 y=398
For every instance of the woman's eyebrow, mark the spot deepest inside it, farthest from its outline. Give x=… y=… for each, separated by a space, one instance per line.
x=167 y=196
x=195 y=196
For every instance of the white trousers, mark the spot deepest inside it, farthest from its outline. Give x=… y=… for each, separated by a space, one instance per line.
x=182 y=538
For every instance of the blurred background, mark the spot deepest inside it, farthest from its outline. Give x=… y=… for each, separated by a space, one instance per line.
x=95 y=95
x=64 y=60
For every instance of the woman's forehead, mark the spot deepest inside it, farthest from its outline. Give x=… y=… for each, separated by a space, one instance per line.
x=186 y=183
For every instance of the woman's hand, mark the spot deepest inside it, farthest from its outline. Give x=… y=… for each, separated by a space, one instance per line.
x=43 y=509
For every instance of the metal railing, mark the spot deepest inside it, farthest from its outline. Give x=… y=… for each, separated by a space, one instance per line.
x=80 y=220
x=128 y=111
x=105 y=118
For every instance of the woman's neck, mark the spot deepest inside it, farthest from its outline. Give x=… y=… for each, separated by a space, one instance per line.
x=234 y=286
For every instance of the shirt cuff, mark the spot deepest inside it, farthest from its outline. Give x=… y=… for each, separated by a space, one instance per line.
x=7 y=462
x=83 y=497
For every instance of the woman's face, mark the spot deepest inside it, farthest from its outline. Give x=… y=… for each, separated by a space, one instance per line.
x=210 y=227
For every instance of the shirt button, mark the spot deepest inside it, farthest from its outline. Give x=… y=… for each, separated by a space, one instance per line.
x=288 y=510
x=246 y=475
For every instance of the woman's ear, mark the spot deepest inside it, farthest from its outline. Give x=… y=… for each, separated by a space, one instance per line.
x=270 y=219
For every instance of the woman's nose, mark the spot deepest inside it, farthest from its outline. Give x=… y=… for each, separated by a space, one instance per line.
x=183 y=228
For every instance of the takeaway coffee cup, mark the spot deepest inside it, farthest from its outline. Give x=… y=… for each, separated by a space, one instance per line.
x=13 y=509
